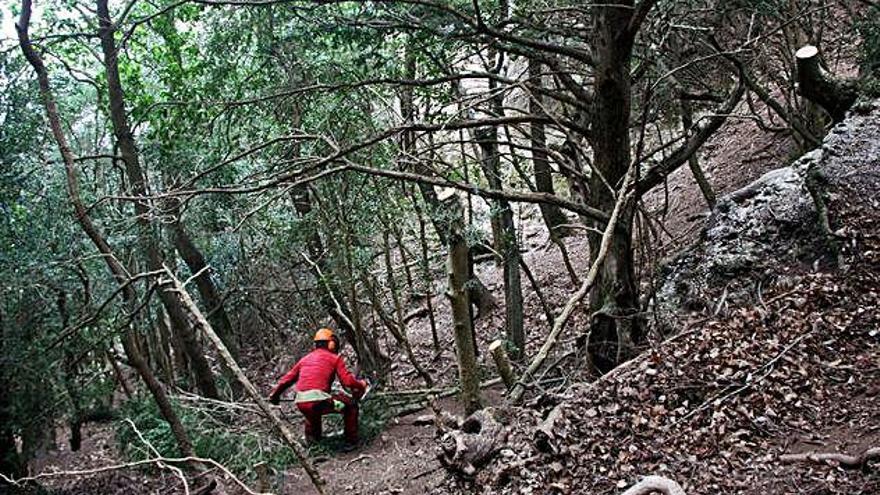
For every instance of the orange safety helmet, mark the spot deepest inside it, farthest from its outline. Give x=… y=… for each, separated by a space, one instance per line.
x=326 y=335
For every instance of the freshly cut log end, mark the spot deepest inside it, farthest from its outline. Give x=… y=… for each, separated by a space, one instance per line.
x=502 y=362
x=807 y=52
x=818 y=85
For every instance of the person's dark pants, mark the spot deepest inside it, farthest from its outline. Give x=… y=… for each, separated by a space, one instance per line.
x=313 y=411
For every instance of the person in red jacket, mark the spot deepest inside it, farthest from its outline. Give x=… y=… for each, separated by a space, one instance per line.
x=313 y=375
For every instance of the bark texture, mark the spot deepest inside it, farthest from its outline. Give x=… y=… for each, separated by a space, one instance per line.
x=552 y=214
x=457 y=270
x=506 y=244
x=614 y=299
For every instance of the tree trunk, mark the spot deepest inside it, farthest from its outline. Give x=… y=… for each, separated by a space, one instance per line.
x=614 y=299
x=457 y=270
x=818 y=85
x=82 y=217
x=147 y=237
x=165 y=349
x=487 y=139
x=552 y=214
x=211 y=298
x=687 y=122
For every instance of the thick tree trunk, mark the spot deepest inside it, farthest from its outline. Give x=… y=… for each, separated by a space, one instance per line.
x=82 y=217
x=165 y=350
x=552 y=214
x=818 y=85
x=147 y=237
x=213 y=301
x=457 y=270
x=487 y=140
x=614 y=299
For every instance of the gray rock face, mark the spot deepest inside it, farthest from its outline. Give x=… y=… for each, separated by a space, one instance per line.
x=758 y=234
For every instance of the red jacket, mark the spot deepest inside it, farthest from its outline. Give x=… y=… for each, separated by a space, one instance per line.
x=316 y=371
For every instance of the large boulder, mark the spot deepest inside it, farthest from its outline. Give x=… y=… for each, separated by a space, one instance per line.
x=767 y=231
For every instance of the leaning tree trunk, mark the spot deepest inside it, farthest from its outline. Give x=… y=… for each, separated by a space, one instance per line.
x=687 y=121
x=818 y=85
x=82 y=217
x=457 y=271
x=614 y=330
x=503 y=227
x=147 y=237
x=195 y=261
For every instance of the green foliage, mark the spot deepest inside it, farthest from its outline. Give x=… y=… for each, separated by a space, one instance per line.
x=210 y=430
x=221 y=435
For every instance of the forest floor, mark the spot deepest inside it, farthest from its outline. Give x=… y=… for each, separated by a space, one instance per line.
x=712 y=408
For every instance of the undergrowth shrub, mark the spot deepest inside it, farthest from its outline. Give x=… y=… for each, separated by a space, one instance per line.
x=238 y=441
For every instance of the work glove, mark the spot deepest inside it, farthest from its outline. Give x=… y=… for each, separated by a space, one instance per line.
x=274 y=399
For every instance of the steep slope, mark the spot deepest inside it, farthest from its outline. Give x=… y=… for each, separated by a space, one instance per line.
x=794 y=369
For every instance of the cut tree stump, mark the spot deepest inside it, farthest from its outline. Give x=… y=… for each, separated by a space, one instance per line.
x=502 y=362
x=470 y=447
x=818 y=85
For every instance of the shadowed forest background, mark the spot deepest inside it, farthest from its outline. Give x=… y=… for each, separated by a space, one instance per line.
x=573 y=244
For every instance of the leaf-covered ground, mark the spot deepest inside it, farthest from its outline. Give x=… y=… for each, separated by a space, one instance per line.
x=716 y=405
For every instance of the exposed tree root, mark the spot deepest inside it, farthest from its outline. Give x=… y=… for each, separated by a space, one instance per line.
x=473 y=444
x=845 y=460
x=651 y=484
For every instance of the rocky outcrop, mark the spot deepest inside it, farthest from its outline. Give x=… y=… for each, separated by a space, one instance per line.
x=767 y=231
